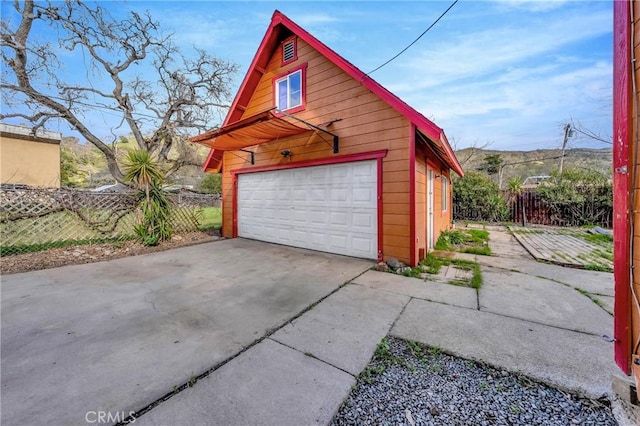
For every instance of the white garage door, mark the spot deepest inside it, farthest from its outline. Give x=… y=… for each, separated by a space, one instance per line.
x=329 y=208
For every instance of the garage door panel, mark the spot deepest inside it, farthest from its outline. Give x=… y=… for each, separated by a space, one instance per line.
x=328 y=208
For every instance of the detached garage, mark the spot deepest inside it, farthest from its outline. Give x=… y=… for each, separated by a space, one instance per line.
x=316 y=154
x=330 y=208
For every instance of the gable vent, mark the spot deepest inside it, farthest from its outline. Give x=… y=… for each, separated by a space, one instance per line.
x=289 y=51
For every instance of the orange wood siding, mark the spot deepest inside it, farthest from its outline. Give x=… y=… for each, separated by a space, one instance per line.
x=366 y=124
x=635 y=318
x=425 y=161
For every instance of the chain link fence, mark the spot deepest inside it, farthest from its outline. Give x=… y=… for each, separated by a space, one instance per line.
x=38 y=219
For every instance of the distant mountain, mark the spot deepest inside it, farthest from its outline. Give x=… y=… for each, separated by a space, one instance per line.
x=540 y=161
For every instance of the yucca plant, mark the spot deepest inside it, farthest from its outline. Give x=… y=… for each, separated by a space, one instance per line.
x=154 y=221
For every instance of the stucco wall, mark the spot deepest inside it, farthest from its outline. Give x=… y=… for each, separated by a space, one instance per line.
x=29 y=162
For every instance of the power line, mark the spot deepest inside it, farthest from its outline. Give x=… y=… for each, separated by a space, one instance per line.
x=414 y=41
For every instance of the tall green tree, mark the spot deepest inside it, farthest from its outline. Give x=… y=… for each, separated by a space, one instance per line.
x=492 y=164
x=211 y=183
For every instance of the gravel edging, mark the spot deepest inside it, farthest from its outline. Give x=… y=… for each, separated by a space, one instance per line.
x=407 y=383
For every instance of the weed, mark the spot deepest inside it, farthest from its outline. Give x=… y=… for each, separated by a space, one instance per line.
x=369 y=374
x=192 y=381
x=468 y=241
x=415 y=348
x=600 y=239
x=499 y=387
x=449 y=238
x=603 y=254
x=476 y=279
x=484 y=385
x=434 y=350
x=459 y=283
x=436 y=368
x=383 y=350
x=590 y=296
x=597 y=267
x=515 y=409
x=483 y=251
x=413 y=272
x=478 y=235
x=432 y=264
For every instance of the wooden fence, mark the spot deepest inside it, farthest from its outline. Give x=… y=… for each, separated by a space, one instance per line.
x=530 y=207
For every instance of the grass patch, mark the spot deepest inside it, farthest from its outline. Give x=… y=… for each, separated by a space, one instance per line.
x=433 y=265
x=603 y=254
x=600 y=239
x=597 y=267
x=211 y=218
x=484 y=251
x=32 y=248
x=474 y=241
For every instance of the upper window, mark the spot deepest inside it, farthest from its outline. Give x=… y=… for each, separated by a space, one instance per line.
x=445 y=193
x=288 y=91
x=289 y=51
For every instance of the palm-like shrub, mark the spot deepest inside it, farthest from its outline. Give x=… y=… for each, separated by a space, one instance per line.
x=153 y=224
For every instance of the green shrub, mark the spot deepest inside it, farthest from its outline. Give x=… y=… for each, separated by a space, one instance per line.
x=476 y=197
x=154 y=206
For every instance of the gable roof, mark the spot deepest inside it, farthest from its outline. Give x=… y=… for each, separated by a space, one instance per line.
x=281 y=25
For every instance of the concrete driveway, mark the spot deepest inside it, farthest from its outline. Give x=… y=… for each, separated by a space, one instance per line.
x=116 y=336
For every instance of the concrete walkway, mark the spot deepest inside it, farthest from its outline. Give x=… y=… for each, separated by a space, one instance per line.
x=263 y=367
x=528 y=317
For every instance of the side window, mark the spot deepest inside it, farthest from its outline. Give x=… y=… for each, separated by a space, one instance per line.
x=289 y=91
x=445 y=193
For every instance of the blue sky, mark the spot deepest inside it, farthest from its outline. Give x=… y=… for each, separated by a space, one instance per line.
x=509 y=73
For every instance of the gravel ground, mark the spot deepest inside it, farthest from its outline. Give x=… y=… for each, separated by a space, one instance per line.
x=410 y=384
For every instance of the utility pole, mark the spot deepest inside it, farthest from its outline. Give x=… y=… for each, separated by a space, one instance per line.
x=568 y=132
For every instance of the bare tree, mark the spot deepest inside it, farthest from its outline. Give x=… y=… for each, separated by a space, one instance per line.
x=171 y=97
x=470 y=151
x=580 y=128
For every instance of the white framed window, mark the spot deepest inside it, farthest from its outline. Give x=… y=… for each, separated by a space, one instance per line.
x=445 y=193
x=288 y=91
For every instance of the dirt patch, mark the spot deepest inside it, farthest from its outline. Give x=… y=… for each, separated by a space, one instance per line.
x=75 y=255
